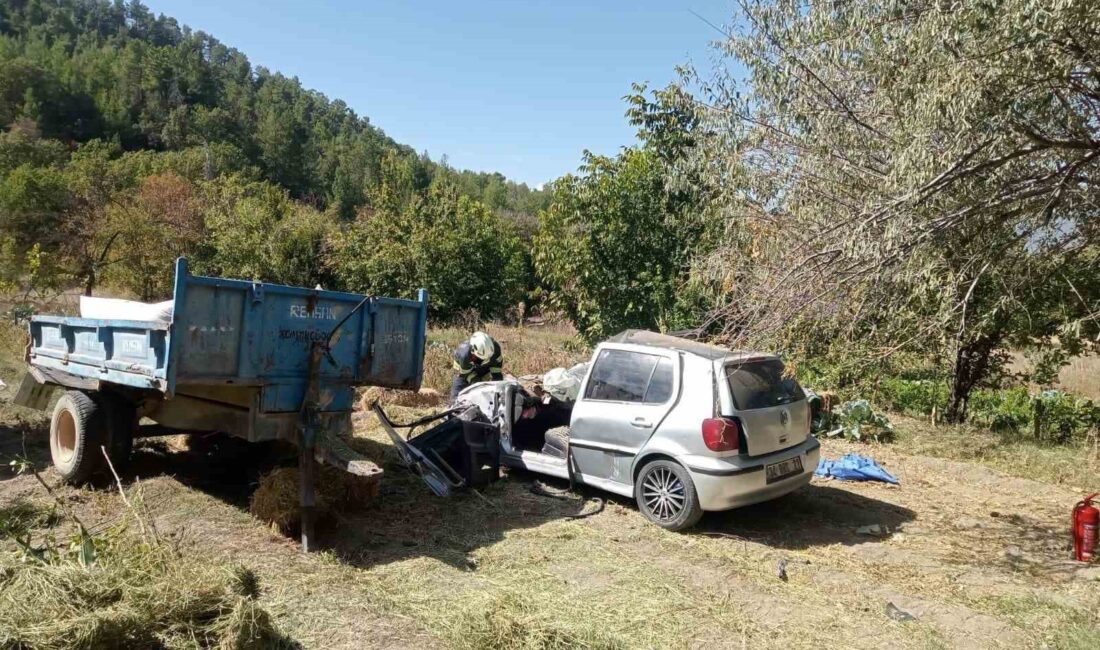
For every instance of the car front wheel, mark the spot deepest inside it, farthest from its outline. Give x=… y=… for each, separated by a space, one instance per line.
x=666 y=495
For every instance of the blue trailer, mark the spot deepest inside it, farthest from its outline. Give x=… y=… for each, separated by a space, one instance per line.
x=254 y=360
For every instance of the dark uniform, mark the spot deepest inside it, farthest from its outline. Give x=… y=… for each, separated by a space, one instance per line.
x=470 y=370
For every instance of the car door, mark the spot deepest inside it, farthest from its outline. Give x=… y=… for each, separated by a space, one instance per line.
x=626 y=396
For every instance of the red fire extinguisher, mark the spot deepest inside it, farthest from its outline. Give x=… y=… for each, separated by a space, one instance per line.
x=1086 y=518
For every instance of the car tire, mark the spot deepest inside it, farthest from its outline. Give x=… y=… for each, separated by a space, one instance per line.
x=121 y=417
x=666 y=495
x=77 y=430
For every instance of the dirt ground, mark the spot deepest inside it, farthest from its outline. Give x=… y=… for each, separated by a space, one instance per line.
x=968 y=556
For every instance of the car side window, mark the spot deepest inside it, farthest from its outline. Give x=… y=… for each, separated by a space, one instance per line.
x=660 y=386
x=622 y=376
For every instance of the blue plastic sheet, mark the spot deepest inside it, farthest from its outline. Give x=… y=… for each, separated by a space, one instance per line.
x=853 y=467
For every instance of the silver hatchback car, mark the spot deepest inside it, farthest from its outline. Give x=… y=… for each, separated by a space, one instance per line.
x=682 y=427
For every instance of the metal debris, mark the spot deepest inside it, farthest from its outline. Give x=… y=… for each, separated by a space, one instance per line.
x=897 y=614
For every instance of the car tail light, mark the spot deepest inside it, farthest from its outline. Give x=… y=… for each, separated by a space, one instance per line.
x=720 y=434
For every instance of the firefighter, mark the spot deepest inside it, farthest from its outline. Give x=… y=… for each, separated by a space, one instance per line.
x=478 y=359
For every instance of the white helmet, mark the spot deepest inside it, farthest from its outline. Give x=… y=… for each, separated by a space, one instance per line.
x=483 y=345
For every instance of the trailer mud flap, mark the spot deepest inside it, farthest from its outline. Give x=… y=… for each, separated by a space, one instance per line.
x=440 y=477
x=33 y=393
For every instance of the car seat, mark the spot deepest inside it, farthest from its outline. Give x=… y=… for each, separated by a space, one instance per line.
x=557 y=442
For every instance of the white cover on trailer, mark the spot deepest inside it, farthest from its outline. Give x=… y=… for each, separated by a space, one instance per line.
x=115 y=309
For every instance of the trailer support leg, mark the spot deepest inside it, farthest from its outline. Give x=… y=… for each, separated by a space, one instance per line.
x=306 y=495
x=309 y=422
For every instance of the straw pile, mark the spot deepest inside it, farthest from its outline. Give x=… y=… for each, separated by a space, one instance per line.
x=275 y=501
x=423 y=398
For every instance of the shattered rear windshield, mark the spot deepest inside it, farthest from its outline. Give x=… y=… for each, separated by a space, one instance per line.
x=761 y=384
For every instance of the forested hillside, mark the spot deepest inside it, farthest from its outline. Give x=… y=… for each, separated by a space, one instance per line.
x=124 y=129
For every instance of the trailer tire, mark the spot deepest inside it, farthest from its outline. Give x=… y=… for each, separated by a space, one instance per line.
x=121 y=418
x=77 y=430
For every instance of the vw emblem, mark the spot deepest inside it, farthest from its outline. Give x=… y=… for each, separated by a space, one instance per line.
x=784 y=417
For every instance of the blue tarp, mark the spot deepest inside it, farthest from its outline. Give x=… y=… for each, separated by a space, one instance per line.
x=853 y=467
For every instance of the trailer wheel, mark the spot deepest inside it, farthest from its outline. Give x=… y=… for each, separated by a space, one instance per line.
x=77 y=430
x=121 y=417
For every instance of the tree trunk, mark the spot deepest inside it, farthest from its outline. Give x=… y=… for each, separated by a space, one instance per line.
x=89 y=282
x=971 y=366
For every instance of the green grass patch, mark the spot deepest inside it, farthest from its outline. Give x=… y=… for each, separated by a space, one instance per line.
x=1070 y=628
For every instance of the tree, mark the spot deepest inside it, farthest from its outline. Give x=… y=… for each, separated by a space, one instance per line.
x=256 y=232
x=907 y=176
x=615 y=246
x=33 y=201
x=466 y=256
x=94 y=181
x=23 y=144
x=159 y=222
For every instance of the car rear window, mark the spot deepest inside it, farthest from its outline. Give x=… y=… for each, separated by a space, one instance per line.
x=623 y=376
x=761 y=384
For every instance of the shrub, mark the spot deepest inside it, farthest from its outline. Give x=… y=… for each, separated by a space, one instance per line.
x=1063 y=417
x=1005 y=409
x=913 y=396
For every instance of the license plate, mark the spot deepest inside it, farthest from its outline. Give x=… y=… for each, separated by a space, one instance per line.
x=779 y=471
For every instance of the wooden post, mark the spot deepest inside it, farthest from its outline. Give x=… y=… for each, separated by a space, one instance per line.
x=1037 y=418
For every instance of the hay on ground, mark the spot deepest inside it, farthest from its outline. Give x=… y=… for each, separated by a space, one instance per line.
x=276 y=499
x=423 y=398
x=134 y=595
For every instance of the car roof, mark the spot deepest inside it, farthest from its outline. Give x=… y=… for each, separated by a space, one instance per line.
x=669 y=342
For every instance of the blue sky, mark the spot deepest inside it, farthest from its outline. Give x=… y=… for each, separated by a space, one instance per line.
x=520 y=87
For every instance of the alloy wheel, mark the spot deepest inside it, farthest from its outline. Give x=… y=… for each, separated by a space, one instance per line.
x=663 y=493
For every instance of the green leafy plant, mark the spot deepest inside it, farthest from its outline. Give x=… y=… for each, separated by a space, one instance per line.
x=1002 y=409
x=913 y=396
x=856 y=420
x=1063 y=418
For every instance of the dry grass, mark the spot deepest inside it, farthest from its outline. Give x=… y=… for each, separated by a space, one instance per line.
x=1082 y=376
x=510 y=570
x=513 y=572
x=527 y=351
x=424 y=398
x=137 y=593
x=1075 y=466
